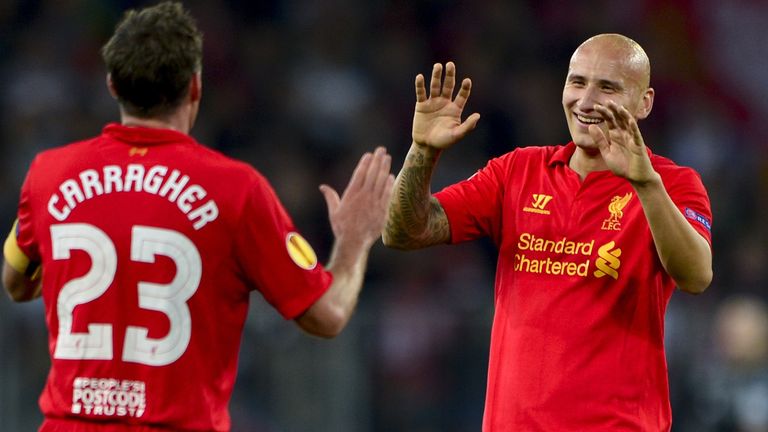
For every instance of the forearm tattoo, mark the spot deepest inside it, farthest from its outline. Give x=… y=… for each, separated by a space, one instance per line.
x=416 y=219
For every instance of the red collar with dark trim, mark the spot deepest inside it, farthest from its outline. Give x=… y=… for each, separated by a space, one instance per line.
x=563 y=154
x=144 y=135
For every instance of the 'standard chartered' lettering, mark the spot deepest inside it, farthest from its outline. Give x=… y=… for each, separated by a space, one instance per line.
x=559 y=265
x=530 y=242
x=156 y=180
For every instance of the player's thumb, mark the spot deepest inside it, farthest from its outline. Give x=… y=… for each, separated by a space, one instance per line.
x=467 y=126
x=331 y=197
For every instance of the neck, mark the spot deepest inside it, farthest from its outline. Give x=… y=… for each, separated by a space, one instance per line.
x=586 y=161
x=178 y=121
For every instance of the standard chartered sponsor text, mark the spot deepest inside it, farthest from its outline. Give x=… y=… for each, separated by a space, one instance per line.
x=568 y=251
x=108 y=397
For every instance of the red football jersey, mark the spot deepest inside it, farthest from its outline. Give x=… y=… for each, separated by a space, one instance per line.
x=150 y=245
x=578 y=333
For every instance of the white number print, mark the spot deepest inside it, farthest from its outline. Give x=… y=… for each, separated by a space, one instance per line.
x=97 y=343
x=171 y=299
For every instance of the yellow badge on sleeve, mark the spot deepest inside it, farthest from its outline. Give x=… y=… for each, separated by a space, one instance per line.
x=13 y=254
x=300 y=251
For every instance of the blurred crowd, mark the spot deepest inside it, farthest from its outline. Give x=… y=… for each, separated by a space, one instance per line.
x=300 y=88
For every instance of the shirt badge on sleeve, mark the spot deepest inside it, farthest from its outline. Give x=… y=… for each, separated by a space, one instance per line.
x=698 y=217
x=300 y=251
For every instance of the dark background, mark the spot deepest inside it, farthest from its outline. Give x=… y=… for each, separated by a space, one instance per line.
x=302 y=88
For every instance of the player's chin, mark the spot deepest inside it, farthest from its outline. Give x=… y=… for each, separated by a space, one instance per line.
x=583 y=139
x=586 y=143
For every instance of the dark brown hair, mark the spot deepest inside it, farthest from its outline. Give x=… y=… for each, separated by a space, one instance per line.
x=152 y=57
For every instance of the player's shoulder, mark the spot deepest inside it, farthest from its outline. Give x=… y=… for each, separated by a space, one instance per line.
x=530 y=154
x=231 y=168
x=537 y=151
x=63 y=154
x=666 y=167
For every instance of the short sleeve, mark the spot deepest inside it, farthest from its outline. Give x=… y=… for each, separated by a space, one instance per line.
x=473 y=206
x=25 y=233
x=687 y=191
x=275 y=259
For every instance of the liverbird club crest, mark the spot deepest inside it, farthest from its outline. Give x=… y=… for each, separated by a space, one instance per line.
x=616 y=207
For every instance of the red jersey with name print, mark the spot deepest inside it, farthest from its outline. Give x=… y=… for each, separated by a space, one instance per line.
x=578 y=333
x=150 y=245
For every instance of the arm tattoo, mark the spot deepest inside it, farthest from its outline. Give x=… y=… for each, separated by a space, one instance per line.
x=416 y=219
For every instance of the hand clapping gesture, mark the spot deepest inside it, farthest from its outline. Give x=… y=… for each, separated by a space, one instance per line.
x=437 y=117
x=359 y=214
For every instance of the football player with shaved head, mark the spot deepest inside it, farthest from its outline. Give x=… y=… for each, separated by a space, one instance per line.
x=593 y=237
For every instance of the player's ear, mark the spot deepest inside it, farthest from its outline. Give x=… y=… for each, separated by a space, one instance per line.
x=646 y=104
x=111 y=86
x=196 y=87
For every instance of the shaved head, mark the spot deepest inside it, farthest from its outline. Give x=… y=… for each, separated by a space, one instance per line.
x=607 y=68
x=635 y=60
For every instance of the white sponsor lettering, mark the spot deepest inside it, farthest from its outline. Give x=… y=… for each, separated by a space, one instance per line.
x=108 y=397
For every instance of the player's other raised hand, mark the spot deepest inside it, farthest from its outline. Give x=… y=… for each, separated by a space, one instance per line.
x=437 y=117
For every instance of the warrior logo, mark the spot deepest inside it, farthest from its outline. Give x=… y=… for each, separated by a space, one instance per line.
x=616 y=207
x=538 y=204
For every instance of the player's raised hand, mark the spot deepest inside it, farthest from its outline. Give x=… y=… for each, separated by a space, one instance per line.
x=359 y=214
x=437 y=117
x=621 y=144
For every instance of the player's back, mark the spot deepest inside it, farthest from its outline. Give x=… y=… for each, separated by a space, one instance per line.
x=139 y=232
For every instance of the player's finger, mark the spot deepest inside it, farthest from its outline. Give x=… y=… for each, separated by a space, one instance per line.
x=435 y=83
x=374 y=169
x=421 y=91
x=636 y=135
x=331 y=198
x=360 y=172
x=384 y=197
x=389 y=186
x=598 y=136
x=464 y=91
x=621 y=114
x=383 y=172
x=607 y=115
x=450 y=80
x=468 y=125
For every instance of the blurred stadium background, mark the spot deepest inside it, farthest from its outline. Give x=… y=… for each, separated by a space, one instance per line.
x=300 y=88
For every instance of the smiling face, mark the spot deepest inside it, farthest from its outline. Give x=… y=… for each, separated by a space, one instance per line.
x=604 y=68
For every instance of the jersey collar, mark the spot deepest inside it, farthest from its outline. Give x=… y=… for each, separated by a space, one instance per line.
x=144 y=135
x=564 y=152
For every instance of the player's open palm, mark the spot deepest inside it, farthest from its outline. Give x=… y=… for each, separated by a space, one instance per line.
x=621 y=144
x=437 y=117
x=359 y=214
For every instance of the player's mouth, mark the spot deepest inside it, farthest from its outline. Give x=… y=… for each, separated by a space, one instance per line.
x=588 y=120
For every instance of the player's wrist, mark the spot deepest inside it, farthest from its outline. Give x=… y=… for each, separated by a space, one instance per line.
x=426 y=149
x=653 y=179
